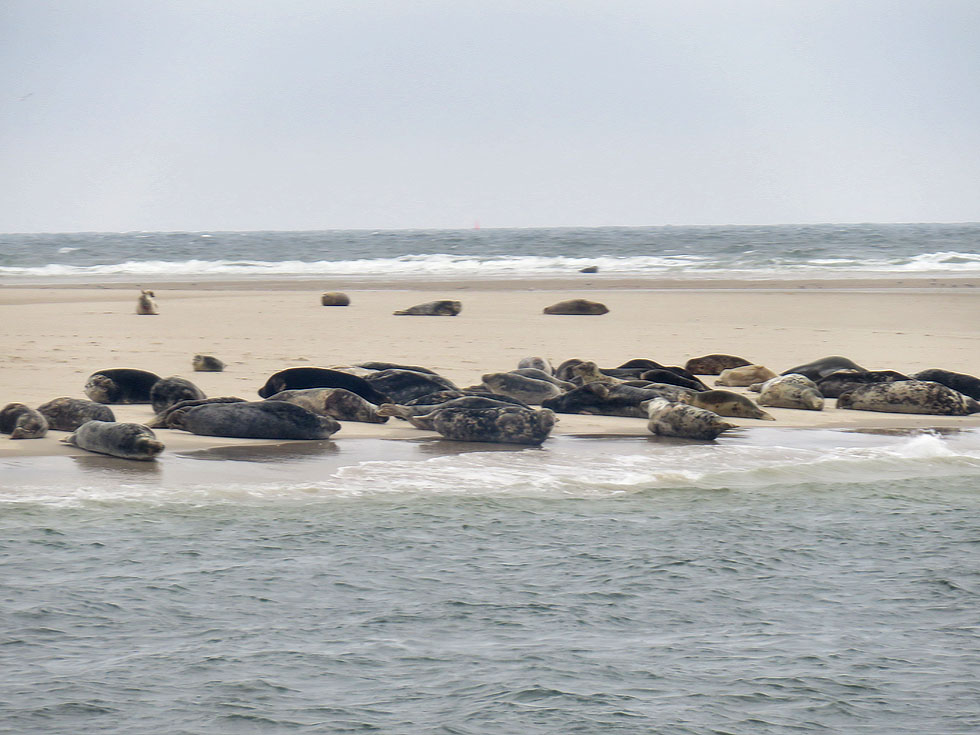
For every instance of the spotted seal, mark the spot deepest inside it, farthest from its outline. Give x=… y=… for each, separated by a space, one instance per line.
x=577 y=307
x=168 y=391
x=528 y=390
x=128 y=441
x=961 y=382
x=727 y=403
x=67 y=414
x=207 y=364
x=667 y=418
x=744 y=375
x=120 y=385
x=433 y=308
x=296 y=378
x=420 y=416
x=22 y=422
x=909 y=396
x=254 y=420
x=842 y=381
x=504 y=425
x=145 y=305
x=787 y=391
x=336 y=403
x=714 y=364
x=824 y=367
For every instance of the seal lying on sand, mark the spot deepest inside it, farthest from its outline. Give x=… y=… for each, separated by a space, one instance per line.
x=909 y=396
x=67 y=414
x=601 y=399
x=577 y=307
x=679 y=419
x=842 y=381
x=787 y=391
x=726 y=403
x=207 y=364
x=788 y=378
x=162 y=419
x=401 y=385
x=336 y=403
x=145 y=305
x=420 y=416
x=714 y=364
x=824 y=367
x=120 y=385
x=527 y=390
x=296 y=378
x=539 y=363
x=254 y=420
x=168 y=391
x=433 y=308
x=744 y=376
x=965 y=384
x=672 y=377
x=22 y=422
x=334 y=298
x=506 y=425
x=129 y=441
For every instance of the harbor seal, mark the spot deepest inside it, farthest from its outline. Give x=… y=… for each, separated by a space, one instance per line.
x=824 y=367
x=603 y=399
x=909 y=396
x=506 y=425
x=744 y=376
x=842 y=381
x=296 y=378
x=433 y=308
x=162 y=419
x=145 y=305
x=404 y=385
x=334 y=298
x=254 y=420
x=667 y=418
x=337 y=403
x=727 y=403
x=528 y=390
x=714 y=364
x=120 y=385
x=786 y=391
x=128 y=441
x=207 y=364
x=67 y=414
x=961 y=382
x=22 y=422
x=168 y=391
x=577 y=307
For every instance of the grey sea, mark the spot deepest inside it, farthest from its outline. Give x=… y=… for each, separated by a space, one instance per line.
x=772 y=581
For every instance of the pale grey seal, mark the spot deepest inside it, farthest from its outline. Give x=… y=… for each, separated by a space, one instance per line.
x=128 y=441
x=505 y=425
x=788 y=378
x=786 y=391
x=22 y=422
x=433 y=308
x=577 y=307
x=254 y=420
x=334 y=298
x=145 y=305
x=667 y=418
x=744 y=375
x=539 y=363
x=67 y=414
x=120 y=385
x=336 y=403
x=909 y=396
x=528 y=390
x=727 y=403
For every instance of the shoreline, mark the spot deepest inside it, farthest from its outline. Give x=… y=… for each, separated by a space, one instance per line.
x=55 y=336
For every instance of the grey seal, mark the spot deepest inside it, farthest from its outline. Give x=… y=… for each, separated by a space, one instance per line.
x=128 y=441
x=254 y=420
x=588 y=372
x=909 y=396
x=67 y=414
x=120 y=385
x=842 y=381
x=786 y=391
x=727 y=403
x=401 y=385
x=207 y=364
x=334 y=298
x=505 y=425
x=667 y=418
x=965 y=384
x=528 y=390
x=336 y=403
x=745 y=375
x=168 y=391
x=420 y=416
x=378 y=366
x=22 y=422
x=145 y=305
x=162 y=419
x=824 y=367
x=296 y=378
x=538 y=363
x=673 y=377
x=788 y=378
x=577 y=307
x=603 y=399
x=433 y=308
x=714 y=364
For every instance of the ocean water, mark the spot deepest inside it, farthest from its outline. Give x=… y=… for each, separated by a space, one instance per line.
x=773 y=581
x=810 y=251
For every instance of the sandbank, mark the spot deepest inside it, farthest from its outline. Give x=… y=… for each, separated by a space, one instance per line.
x=54 y=337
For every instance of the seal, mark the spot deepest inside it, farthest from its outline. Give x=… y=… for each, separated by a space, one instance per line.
x=786 y=391
x=528 y=390
x=207 y=364
x=433 y=308
x=788 y=378
x=603 y=399
x=421 y=416
x=667 y=418
x=128 y=441
x=961 y=382
x=434 y=399
x=642 y=364
x=145 y=305
x=543 y=375
x=672 y=377
x=336 y=403
x=377 y=366
x=168 y=391
x=744 y=375
x=842 y=381
x=22 y=422
x=120 y=385
x=162 y=419
x=538 y=363
x=824 y=367
x=714 y=364
x=589 y=372
x=726 y=403
x=254 y=420
x=334 y=298
x=67 y=414
x=316 y=377
x=577 y=307
x=506 y=425
x=909 y=396
x=401 y=386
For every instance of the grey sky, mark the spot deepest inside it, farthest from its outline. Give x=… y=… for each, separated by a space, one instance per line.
x=311 y=114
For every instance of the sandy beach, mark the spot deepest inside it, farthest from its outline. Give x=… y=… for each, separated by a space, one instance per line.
x=55 y=337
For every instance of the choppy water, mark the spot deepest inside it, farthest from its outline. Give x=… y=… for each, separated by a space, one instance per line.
x=811 y=251
x=774 y=581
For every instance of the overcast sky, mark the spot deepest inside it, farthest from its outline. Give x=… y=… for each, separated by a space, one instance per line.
x=313 y=114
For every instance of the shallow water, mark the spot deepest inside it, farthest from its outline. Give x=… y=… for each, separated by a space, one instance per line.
x=777 y=581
